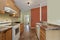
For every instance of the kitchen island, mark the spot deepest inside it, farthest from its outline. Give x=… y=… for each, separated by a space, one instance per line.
x=49 y=32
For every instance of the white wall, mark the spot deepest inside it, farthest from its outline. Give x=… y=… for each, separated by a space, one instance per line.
x=53 y=11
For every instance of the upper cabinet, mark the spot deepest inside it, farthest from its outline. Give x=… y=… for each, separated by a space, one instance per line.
x=2 y=4
x=11 y=4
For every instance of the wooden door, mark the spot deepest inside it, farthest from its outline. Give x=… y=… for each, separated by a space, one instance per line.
x=9 y=34
x=44 y=13
x=35 y=16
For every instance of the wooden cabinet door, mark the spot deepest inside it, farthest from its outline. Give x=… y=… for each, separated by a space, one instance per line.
x=2 y=4
x=3 y=36
x=0 y=36
x=42 y=34
x=44 y=13
x=11 y=4
x=35 y=16
x=6 y=35
x=9 y=34
x=21 y=28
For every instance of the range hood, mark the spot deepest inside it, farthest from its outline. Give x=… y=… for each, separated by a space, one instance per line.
x=9 y=10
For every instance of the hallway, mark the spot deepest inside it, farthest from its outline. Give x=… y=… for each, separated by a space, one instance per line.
x=29 y=35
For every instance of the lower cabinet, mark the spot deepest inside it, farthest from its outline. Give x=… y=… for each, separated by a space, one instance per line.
x=53 y=35
x=6 y=35
x=9 y=34
x=42 y=34
x=21 y=28
x=49 y=34
x=0 y=36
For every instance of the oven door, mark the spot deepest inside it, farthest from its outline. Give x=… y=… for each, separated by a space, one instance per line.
x=16 y=31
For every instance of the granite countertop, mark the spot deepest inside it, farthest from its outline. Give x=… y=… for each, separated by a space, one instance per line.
x=4 y=28
x=49 y=26
x=53 y=27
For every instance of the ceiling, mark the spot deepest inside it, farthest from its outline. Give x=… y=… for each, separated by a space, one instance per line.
x=22 y=4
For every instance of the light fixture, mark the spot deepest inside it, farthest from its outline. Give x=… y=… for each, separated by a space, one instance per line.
x=7 y=4
x=28 y=3
x=14 y=15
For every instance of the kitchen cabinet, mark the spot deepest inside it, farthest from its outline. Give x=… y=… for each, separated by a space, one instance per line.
x=6 y=35
x=21 y=27
x=35 y=16
x=0 y=36
x=42 y=34
x=50 y=32
x=11 y=4
x=2 y=4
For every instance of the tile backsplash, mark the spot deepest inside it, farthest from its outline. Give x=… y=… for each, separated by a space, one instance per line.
x=5 y=18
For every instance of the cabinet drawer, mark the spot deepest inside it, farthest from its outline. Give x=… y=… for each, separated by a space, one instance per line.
x=0 y=36
x=21 y=28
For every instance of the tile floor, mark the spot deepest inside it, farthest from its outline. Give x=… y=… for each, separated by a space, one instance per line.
x=29 y=35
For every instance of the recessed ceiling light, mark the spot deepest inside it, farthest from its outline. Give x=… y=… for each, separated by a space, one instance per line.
x=28 y=3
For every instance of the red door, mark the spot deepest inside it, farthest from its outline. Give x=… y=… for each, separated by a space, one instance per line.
x=35 y=16
x=44 y=13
